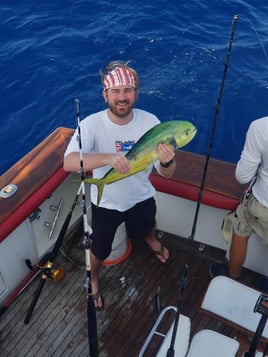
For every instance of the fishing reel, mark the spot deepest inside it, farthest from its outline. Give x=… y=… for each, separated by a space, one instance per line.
x=262 y=305
x=52 y=272
x=262 y=308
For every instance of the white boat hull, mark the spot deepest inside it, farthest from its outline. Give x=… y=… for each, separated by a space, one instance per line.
x=31 y=239
x=175 y=215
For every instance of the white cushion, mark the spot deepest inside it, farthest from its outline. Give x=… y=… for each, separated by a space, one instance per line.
x=259 y=354
x=233 y=301
x=208 y=343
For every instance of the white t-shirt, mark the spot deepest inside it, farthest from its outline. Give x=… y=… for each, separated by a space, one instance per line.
x=100 y=135
x=254 y=159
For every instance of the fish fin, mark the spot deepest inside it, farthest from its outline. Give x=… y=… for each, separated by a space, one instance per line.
x=93 y=181
x=100 y=186
x=98 y=182
x=89 y=180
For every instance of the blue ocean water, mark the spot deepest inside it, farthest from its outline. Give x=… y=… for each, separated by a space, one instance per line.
x=51 y=53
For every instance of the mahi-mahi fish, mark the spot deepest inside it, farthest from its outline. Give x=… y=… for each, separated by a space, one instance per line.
x=176 y=133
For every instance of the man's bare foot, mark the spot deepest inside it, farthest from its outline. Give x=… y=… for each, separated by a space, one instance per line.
x=97 y=297
x=159 y=250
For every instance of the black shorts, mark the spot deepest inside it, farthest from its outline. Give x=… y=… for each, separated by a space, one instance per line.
x=139 y=221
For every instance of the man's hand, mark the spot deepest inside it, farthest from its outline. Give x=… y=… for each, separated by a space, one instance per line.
x=120 y=163
x=165 y=153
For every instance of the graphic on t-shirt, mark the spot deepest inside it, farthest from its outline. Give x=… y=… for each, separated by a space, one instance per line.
x=124 y=146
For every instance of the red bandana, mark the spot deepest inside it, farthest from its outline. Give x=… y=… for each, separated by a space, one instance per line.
x=119 y=77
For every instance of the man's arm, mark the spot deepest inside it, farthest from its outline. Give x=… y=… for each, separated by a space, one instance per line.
x=71 y=162
x=250 y=159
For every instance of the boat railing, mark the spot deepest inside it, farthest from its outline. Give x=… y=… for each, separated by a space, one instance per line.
x=221 y=190
x=182 y=342
x=204 y=343
x=231 y=302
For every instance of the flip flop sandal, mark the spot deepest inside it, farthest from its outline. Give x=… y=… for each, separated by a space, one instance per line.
x=159 y=252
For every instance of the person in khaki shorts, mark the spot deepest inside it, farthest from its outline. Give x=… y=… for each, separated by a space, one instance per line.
x=251 y=214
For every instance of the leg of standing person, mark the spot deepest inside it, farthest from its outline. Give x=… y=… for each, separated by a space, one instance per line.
x=95 y=265
x=237 y=257
x=238 y=253
x=156 y=247
x=141 y=224
x=102 y=240
x=241 y=232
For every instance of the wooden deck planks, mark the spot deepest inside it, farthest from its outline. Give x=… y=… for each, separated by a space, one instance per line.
x=58 y=325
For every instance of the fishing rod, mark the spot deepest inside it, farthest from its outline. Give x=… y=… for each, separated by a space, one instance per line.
x=91 y=313
x=47 y=267
x=183 y=281
x=35 y=271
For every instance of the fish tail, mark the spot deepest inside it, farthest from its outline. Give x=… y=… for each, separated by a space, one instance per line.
x=100 y=184
x=92 y=181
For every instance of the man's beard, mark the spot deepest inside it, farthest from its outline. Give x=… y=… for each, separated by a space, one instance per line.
x=119 y=111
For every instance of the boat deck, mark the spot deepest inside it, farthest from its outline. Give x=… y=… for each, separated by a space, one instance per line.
x=58 y=325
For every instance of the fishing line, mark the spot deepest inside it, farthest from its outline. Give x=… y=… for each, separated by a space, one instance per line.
x=257 y=34
x=183 y=281
x=66 y=256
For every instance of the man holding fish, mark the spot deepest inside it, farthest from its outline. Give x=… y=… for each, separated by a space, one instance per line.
x=108 y=144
